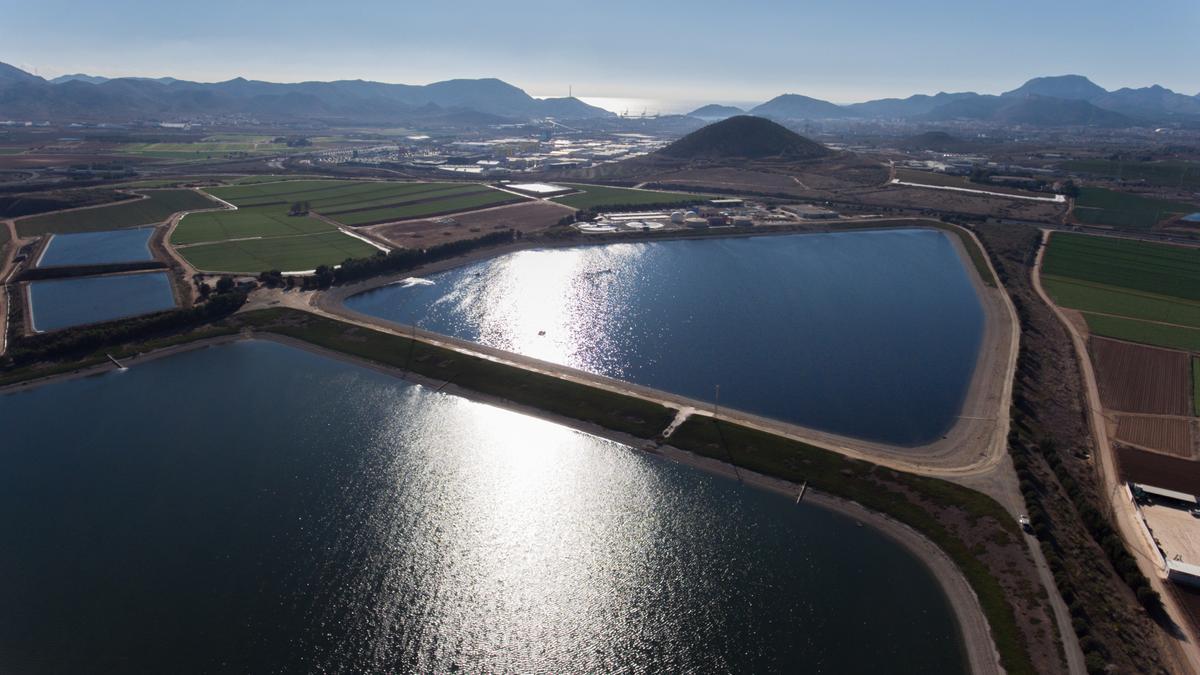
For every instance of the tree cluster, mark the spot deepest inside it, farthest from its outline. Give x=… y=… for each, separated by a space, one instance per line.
x=400 y=260
x=75 y=342
x=293 y=141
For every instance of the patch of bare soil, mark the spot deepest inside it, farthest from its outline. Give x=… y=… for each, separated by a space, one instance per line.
x=526 y=217
x=1152 y=468
x=964 y=203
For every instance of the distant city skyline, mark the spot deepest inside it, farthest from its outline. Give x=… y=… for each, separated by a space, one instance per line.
x=670 y=52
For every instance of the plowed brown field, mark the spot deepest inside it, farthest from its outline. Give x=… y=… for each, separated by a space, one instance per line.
x=1165 y=434
x=1140 y=379
x=1151 y=468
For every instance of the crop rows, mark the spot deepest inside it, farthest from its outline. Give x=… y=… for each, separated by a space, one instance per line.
x=1098 y=206
x=1090 y=297
x=1171 y=435
x=1137 y=265
x=293 y=254
x=600 y=196
x=251 y=222
x=1139 y=379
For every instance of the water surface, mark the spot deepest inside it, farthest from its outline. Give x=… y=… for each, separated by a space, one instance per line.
x=869 y=334
x=62 y=303
x=98 y=248
x=254 y=508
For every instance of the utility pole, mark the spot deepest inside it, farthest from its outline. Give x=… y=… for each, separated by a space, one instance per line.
x=412 y=345
x=721 y=435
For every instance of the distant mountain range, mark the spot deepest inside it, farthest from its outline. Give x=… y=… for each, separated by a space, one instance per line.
x=87 y=97
x=1065 y=100
x=714 y=111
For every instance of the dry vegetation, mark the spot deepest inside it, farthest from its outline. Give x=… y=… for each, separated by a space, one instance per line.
x=961 y=203
x=1051 y=447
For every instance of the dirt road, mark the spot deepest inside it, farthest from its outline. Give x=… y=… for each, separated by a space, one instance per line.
x=1123 y=511
x=6 y=269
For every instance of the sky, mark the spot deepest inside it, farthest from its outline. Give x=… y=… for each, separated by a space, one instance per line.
x=663 y=50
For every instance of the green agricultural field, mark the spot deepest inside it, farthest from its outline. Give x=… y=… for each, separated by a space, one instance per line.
x=172 y=181
x=1171 y=337
x=260 y=235
x=399 y=194
x=322 y=192
x=220 y=144
x=159 y=206
x=261 y=221
x=289 y=254
x=1167 y=173
x=1097 y=298
x=251 y=180
x=1098 y=206
x=602 y=196
x=1136 y=282
x=444 y=205
x=1161 y=269
x=245 y=195
x=358 y=203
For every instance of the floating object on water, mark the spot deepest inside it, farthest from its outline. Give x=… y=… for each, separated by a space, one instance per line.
x=541 y=333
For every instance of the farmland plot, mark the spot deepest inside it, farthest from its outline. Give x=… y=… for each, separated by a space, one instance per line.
x=1140 y=379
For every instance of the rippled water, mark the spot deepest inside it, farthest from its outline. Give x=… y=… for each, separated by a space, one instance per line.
x=96 y=248
x=870 y=334
x=62 y=303
x=254 y=508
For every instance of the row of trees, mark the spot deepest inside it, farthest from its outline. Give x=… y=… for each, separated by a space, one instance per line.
x=399 y=260
x=76 y=342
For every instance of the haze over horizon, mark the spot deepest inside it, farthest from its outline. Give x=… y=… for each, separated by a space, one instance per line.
x=669 y=52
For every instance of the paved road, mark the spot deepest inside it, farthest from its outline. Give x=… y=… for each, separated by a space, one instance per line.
x=1056 y=199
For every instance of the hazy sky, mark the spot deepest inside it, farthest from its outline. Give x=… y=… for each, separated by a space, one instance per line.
x=699 y=50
